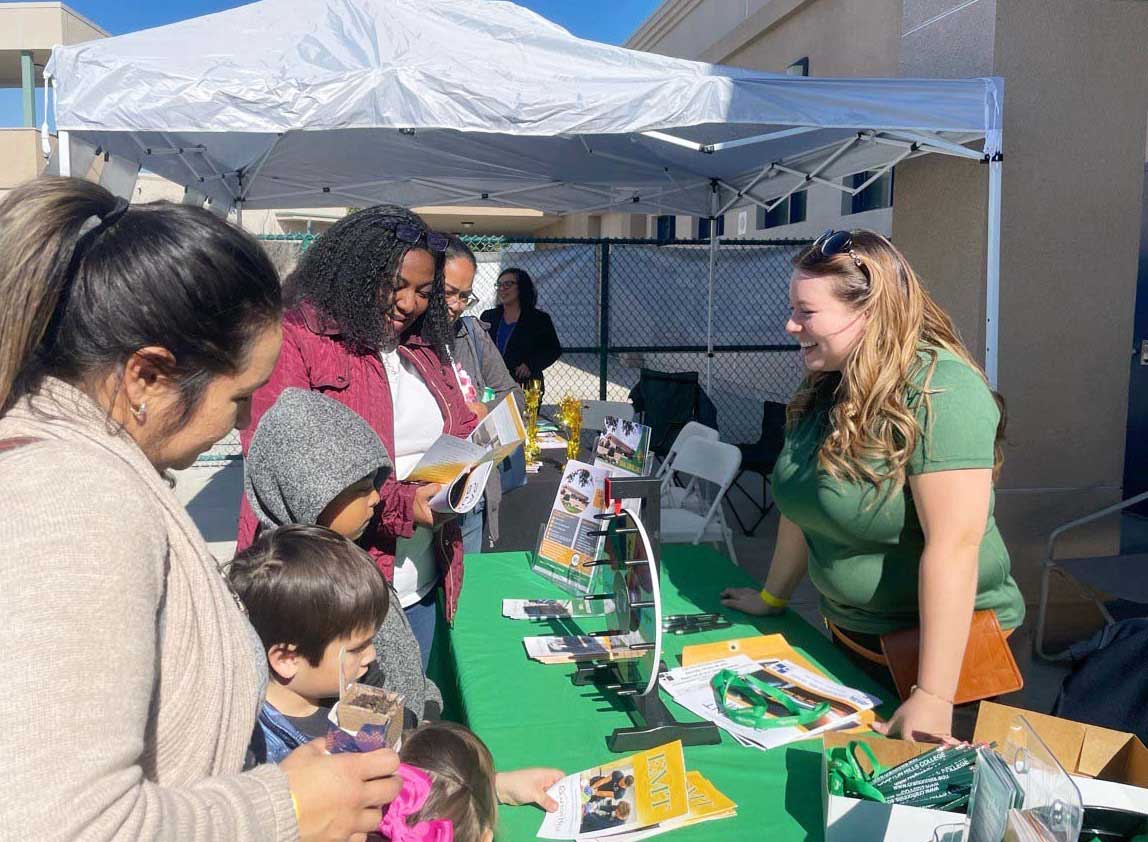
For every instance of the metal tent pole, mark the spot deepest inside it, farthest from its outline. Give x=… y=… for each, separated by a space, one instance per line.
x=993 y=271
x=710 y=296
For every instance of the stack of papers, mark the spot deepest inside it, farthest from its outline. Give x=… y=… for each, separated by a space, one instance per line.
x=555 y=609
x=633 y=798
x=575 y=648
x=690 y=688
x=550 y=441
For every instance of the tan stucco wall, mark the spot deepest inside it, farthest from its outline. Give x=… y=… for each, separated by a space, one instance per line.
x=21 y=156
x=840 y=38
x=1074 y=139
x=41 y=26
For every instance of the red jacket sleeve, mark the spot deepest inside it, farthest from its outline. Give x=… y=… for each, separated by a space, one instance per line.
x=290 y=370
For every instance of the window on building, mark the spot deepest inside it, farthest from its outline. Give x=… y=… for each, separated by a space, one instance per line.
x=786 y=213
x=877 y=195
x=704 y=227
x=799 y=67
x=667 y=225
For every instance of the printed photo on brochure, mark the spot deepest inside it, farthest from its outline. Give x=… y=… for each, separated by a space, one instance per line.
x=628 y=794
x=568 y=544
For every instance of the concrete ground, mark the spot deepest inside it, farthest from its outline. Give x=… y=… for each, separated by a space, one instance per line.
x=212 y=492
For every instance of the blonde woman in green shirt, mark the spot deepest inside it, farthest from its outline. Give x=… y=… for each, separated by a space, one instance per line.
x=885 y=483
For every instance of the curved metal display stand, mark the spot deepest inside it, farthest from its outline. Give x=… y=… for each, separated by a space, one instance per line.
x=631 y=550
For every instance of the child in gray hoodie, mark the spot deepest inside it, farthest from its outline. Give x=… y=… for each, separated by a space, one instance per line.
x=314 y=461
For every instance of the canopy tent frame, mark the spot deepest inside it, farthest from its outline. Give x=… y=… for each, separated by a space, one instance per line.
x=495 y=124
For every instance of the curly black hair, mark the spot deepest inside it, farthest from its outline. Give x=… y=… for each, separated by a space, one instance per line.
x=349 y=274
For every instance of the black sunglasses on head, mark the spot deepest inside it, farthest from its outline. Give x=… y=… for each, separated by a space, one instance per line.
x=413 y=235
x=837 y=242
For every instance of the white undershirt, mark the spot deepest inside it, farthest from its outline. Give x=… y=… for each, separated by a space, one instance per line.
x=418 y=423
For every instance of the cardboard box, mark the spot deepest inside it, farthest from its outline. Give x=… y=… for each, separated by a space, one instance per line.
x=1085 y=751
x=852 y=819
x=1109 y=767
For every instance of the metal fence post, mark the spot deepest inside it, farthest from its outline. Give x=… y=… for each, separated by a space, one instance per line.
x=603 y=319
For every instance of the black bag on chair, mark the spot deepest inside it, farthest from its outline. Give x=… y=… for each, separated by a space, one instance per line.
x=1108 y=685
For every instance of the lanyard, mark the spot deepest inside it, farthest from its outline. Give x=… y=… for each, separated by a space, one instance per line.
x=846 y=777
x=760 y=694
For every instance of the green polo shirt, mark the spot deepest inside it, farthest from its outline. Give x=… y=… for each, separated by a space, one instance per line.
x=864 y=546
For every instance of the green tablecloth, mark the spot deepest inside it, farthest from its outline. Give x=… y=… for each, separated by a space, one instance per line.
x=530 y=714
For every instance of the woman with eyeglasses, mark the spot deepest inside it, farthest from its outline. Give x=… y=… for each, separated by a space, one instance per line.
x=524 y=334
x=885 y=483
x=479 y=366
x=368 y=325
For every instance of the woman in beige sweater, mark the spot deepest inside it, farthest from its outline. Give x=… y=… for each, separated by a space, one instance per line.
x=131 y=341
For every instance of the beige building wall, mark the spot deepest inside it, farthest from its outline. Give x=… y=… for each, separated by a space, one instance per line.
x=1074 y=140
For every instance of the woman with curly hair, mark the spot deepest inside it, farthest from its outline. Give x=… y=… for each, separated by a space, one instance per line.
x=368 y=326
x=885 y=482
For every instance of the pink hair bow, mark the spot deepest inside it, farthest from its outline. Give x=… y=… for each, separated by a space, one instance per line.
x=416 y=788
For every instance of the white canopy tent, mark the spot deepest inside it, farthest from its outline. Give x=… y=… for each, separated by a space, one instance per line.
x=312 y=103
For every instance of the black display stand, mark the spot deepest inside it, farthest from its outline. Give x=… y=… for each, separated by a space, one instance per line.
x=635 y=681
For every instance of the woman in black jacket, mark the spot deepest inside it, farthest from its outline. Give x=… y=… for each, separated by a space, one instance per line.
x=524 y=334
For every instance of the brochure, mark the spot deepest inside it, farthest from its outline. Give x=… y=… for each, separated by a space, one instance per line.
x=571 y=649
x=555 y=609
x=462 y=466
x=623 y=447
x=690 y=687
x=629 y=794
x=706 y=805
x=551 y=441
x=568 y=545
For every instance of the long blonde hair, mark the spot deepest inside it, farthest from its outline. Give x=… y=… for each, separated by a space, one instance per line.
x=873 y=426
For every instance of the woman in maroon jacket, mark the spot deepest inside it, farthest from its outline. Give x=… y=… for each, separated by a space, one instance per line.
x=369 y=328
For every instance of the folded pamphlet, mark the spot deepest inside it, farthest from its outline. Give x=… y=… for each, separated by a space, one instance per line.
x=615 y=799
x=555 y=609
x=550 y=649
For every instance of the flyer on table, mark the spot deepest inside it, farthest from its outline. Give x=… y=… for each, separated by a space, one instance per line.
x=568 y=544
x=623 y=447
x=625 y=795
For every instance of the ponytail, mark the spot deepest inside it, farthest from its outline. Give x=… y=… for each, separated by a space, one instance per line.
x=87 y=281
x=40 y=229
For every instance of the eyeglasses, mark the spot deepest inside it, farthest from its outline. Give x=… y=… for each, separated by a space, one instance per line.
x=412 y=235
x=837 y=242
x=506 y=284
x=466 y=298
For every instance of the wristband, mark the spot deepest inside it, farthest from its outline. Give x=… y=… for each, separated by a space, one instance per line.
x=773 y=601
x=917 y=687
x=294 y=805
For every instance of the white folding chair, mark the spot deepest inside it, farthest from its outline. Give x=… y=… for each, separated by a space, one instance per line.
x=673 y=495
x=700 y=461
x=594 y=413
x=691 y=429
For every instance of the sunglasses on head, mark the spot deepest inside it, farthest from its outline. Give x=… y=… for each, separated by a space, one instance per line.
x=413 y=235
x=836 y=242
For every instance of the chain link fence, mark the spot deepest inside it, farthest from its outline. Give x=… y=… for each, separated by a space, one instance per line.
x=620 y=305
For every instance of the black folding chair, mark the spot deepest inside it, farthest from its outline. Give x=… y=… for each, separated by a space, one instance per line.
x=668 y=401
x=759 y=457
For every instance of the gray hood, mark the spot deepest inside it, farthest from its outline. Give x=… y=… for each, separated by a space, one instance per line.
x=305 y=452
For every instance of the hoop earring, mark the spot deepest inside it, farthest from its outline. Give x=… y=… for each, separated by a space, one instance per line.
x=140 y=414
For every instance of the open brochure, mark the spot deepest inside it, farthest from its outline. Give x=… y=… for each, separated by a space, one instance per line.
x=623 y=447
x=629 y=794
x=570 y=649
x=462 y=466
x=568 y=545
x=555 y=609
x=690 y=687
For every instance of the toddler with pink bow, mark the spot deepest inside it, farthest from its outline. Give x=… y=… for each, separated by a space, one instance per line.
x=449 y=792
